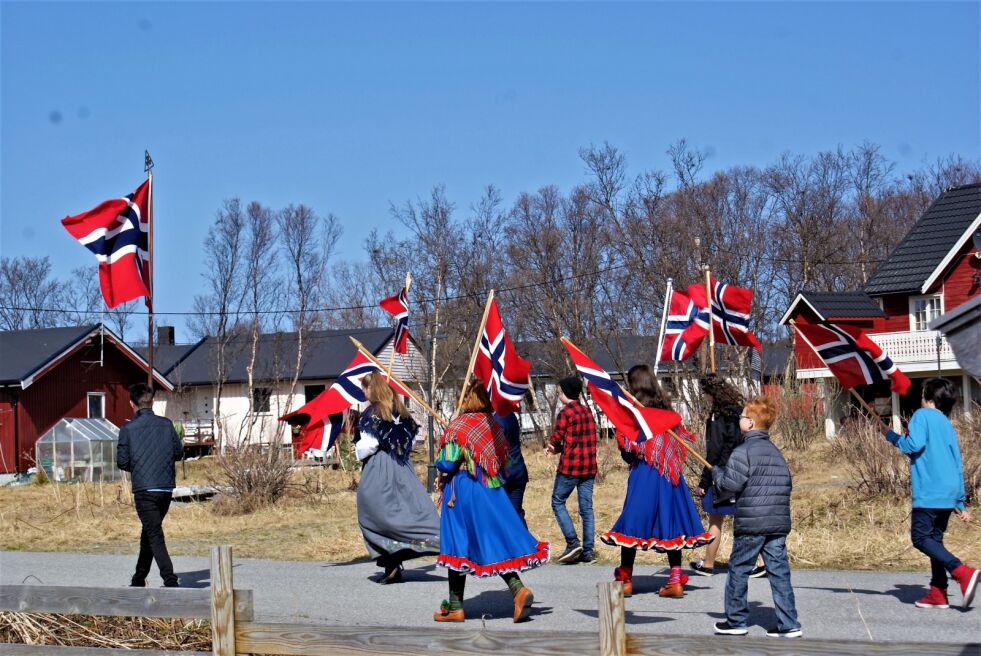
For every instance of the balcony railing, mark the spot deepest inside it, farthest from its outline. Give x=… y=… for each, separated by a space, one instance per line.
x=914 y=347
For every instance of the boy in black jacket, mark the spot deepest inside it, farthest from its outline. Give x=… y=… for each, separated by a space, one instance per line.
x=759 y=477
x=148 y=447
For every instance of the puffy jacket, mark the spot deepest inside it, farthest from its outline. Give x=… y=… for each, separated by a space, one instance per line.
x=722 y=435
x=148 y=447
x=759 y=477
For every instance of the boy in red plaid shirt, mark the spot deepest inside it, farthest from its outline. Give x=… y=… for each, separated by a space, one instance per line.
x=575 y=439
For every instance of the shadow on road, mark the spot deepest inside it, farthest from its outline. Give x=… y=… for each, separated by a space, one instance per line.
x=498 y=604
x=199 y=578
x=629 y=616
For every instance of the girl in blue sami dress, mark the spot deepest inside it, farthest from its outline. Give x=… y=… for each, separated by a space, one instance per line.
x=481 y=534
x=658 y=512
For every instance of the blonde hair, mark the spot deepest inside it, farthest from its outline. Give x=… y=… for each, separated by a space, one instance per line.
x=475 y=398
x=762 y=410
x=383 y=399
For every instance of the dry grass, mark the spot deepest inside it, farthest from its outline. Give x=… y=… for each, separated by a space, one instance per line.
x=107 y=632
x=835 y=525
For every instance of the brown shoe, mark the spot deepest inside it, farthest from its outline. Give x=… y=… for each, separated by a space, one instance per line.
x=628 y=588
x=672 y=590
x=522 y=603
x=444 y=614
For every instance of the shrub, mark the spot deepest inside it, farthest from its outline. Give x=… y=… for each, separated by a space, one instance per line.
x=251 y=477
x=801 y=418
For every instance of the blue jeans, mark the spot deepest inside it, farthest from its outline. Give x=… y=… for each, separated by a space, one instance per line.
x=564 y=485
x=927 y=526
x=745 y=549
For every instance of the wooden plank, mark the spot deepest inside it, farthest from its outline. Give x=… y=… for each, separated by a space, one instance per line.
x=649 y=645
x=185 y=603
x=612 y=631
x=315 y=640
x=60 y=650
x=222 y=602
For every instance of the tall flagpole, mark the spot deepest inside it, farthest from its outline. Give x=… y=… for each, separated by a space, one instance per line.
x=476 y=349
x=664 y=321
x=391 y=360
x=148 y=168
x=708 y=303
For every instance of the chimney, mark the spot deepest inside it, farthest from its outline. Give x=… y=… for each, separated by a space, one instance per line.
x=165 y=335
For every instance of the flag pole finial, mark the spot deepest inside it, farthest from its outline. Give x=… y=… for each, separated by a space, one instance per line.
x=147 y=162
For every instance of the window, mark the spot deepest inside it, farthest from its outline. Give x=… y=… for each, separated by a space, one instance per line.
x=97 y=405
x=310 y=392
x=260 y=400
x=923 y=310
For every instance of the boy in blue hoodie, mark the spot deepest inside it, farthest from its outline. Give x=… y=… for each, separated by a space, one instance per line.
x=938 y=489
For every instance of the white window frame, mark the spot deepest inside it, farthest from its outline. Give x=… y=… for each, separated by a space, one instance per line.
x=88 y=404
x=912 y=311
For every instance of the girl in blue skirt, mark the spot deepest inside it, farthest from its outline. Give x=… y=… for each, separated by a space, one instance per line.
x=658 y=512
x=481 y=534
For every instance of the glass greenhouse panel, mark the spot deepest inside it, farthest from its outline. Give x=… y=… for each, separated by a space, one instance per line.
x=79 y=449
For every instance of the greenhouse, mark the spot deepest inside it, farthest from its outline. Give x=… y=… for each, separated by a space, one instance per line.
x=78 y=449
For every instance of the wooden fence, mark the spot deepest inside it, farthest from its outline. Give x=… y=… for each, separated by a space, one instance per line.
x=235 y=631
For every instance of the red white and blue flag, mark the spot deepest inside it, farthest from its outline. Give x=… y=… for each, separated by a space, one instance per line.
x=341 y=395
x=731 y=307
x=852 y=357
x=632 y=420
x=117 y=231
x=499 y=367
x=398 y=307
x=322 y=435
x=682 y=333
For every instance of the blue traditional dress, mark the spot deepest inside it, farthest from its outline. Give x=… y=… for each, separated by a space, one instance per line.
x=480 y=533
x=658 y=511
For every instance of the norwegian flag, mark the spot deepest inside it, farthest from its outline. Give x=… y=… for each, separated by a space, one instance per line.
x=345 y=392
x=730 y=312
x=682 y=334
x=117 y=232
x=398 y=307
x=852 y=357
x=322 y=435
x=636 y=422
x=498 y=366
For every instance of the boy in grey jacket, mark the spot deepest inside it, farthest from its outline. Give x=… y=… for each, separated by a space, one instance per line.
x=759 y=477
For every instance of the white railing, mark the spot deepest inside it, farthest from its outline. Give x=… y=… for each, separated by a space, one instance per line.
x=914 y=347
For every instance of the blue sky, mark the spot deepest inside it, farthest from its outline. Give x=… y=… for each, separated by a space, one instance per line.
x=348 y=107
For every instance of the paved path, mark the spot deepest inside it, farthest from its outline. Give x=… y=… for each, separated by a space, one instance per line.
x=832 y=605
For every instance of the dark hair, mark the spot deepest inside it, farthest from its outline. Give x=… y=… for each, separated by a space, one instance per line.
x=942 y=392
x=726 y=399
x=644 y=386
x=141 y=395
x=571 y=386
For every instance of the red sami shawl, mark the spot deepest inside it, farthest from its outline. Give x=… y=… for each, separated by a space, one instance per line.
x=481 y=435
x=663 y=452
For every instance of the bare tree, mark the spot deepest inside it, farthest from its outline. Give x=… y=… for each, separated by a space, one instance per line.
x=28 y=293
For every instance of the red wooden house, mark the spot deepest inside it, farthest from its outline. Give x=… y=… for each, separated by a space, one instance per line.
x=936 y=268
x=50 y=373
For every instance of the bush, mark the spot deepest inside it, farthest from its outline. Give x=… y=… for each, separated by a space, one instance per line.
x=251 y=477
x=801 y=417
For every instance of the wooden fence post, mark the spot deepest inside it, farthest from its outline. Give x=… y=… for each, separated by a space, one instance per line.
x=222 y=602
x=612 y=630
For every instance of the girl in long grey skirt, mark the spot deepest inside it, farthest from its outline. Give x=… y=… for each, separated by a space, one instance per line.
x=396 y=516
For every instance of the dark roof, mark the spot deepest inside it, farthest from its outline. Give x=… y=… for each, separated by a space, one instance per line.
x=928 y=242
x=326 y=354
x=775 y=358
x=837 y=305
x=168 y=356
x=24 y=352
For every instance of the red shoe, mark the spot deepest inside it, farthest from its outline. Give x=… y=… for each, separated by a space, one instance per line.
x=968 y=578
x=626 y=577
x=684 y=579
x=935 y=598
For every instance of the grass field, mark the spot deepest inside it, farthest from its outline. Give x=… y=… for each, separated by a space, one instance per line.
x=835 y=526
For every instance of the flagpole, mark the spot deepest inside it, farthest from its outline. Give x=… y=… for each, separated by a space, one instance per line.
x=476 y=348
x=711 y=327
x=671 y=432
x=391 y=360
x=412 y=394
x=148 y=166
x=664 y=321
x=865 y=404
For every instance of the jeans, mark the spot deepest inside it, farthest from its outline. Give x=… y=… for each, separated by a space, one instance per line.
x=564 y=485
x=927 y=526
x=745 y=549
x=151 y=508
x=516 y=493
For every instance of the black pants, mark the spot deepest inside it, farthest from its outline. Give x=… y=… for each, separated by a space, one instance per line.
x=927 y=527
x=152 y=507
